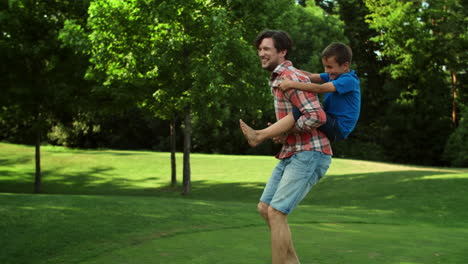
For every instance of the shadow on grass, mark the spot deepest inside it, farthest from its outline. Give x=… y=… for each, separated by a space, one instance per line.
x=99 y=152
x=20 y=160
x=431 y=195
x=416 y=192
x=95 y=180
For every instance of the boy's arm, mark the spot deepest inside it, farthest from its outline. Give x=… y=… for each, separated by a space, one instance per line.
x=313 y=77
x=313 y=115
x=327 y=87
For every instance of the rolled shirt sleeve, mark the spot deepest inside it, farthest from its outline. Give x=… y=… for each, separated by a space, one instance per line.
x=313 y=115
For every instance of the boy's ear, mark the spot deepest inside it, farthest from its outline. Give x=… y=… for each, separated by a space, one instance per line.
x=346 y=65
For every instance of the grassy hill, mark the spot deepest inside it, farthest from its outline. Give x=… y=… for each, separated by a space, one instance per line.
x=111 y=206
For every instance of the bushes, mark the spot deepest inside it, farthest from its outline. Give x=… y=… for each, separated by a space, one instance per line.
x=132 y=129
x=456 y=148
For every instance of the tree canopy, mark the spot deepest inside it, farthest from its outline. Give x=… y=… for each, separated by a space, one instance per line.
x=83 y=66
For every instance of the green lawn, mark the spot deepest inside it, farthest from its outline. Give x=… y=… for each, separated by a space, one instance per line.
x=116 y=207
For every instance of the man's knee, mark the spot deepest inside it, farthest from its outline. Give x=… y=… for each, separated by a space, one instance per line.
x=274 y=214
x=263 y=209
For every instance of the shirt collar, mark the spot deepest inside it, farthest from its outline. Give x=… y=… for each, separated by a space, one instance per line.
x=282 y=67
x=351 y=73
x=279 y=70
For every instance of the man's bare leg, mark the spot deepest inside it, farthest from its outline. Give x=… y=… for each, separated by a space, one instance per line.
x=282 y=248
x=292 y=255
x=255 y=137
x=263 y=210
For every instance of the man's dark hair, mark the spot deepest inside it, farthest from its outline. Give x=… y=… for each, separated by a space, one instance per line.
x=340 y=51
x=281 y=40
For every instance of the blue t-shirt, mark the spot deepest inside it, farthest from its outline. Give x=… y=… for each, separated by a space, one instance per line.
x=345 y=103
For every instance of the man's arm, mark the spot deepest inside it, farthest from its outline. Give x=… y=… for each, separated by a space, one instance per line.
x=312 y=116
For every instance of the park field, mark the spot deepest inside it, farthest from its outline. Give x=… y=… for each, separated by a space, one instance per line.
x=115 y=207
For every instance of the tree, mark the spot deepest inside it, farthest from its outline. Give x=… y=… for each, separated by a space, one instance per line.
x=456 y=150
x=186 y=62
x=40 y=83
x=411 y=34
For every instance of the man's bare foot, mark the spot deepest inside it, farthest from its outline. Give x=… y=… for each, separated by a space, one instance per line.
x=250 y=134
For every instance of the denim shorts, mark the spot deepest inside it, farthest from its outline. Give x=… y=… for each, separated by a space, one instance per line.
x=293 y=178
x=331 y=129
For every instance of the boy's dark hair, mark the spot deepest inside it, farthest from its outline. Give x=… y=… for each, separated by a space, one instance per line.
x=281 y=40
x=340 y=51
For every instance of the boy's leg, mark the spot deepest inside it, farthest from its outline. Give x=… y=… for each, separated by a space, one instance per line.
x=331 y=129
x=255 y=137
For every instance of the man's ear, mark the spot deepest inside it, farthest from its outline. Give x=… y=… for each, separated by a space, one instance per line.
x=283 y=53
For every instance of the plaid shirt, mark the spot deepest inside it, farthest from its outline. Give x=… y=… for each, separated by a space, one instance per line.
x=313 y=116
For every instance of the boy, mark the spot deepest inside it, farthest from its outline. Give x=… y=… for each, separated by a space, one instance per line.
x=341 y=102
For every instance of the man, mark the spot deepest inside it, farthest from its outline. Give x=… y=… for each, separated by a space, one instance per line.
x=306 y=152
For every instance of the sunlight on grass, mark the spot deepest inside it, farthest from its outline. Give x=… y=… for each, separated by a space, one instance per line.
x=445 y=176
x=359 y=166
x=429 y=176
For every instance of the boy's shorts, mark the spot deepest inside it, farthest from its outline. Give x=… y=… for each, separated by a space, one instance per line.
x=293 y=178
x=330 y=128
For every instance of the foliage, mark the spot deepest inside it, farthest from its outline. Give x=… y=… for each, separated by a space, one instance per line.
x=312 y=30
x=355 y=148
x=42 y=79
x=134 y=128
x=411 y=31
x=456 y=149
x=411 y=34
x=147 y=61
x=117 y=41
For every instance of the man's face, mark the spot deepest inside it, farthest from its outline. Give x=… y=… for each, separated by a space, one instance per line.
x=333 y=68
x=269 y=55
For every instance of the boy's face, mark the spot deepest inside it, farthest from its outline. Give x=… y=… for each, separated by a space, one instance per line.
x=333 y=68
x=270 y=57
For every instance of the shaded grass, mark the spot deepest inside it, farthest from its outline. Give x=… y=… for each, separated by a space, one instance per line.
x=116 y=207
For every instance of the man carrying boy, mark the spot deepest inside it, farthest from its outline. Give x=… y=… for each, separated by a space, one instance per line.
x=306 y=152
x=342 y=100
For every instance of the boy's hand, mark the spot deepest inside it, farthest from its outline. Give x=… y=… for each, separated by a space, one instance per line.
x=279 y=139
x=286 y=84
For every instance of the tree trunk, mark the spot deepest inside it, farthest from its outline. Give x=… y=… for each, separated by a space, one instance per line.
x=38 y=180
x=173 y=151
x=187 y=144
x=455 y=95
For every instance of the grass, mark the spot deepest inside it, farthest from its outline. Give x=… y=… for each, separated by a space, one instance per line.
x=116 y=207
